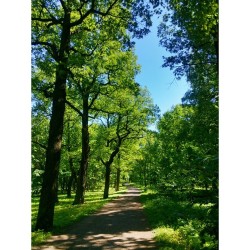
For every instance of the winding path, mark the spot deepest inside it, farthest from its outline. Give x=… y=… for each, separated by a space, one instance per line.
x=120 y=224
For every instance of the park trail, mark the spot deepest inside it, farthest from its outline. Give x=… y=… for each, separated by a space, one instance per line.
x=120 y=224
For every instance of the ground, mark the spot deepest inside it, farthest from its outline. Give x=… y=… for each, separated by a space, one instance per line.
x=119 y=224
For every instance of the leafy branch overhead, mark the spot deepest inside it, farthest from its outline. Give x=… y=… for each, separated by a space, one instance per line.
x=91 y=119
x=66 y=36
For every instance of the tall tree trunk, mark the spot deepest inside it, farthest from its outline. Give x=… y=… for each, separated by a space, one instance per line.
x=107 y=181
x=118 y=177
x=71 y=166
x=107 y=165
x=81 y=181
x=118 y=174
x=71 y=178
x=112 y=156
x=53 y=153
x=50 y=178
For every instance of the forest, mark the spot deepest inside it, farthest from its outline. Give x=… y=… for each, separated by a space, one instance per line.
x=91 y=119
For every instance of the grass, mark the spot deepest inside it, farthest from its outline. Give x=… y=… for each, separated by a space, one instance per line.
x=67 y=214
x=179 y=224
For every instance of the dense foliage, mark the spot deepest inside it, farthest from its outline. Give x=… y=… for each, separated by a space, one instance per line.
x=180 y=160
x=90 y=118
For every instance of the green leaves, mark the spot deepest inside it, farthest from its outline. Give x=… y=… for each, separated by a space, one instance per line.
x=189 y=133
x=189 y=31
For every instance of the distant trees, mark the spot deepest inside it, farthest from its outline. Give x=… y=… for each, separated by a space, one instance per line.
x=71 y=152
x=64 y=35
x=183 y=153
x=185 y=161
x=188 y=134
x=115 y=72
x=190 y=32
x=39 y=146
x=124 y=117
x=145 y=165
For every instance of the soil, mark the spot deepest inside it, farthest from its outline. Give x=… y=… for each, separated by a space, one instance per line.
x=120 y=224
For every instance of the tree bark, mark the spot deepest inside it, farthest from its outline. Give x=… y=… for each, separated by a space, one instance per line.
x=107 y=165
x=50 y=178
x=118 y=177
x=71 y=178
x=81 y=181
x=118 y=174
x=53 y=153
x=107 y=181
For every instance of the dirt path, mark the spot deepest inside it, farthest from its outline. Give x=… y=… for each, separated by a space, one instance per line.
x=119 y=224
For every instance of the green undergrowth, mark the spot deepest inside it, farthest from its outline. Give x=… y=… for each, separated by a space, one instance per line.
x=67 y=214
x=179 y=224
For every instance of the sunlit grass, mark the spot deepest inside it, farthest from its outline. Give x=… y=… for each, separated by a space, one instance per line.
x=39 y=237
x=169 y=239
x=67 y=214
x=179 y=224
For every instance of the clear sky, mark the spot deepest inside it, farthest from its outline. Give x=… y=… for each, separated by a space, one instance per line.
x=165 y=90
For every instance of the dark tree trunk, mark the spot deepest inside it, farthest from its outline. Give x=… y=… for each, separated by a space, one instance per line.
x=71 y=178
x=107 y=165
x=118 y=174
x=53 y=153
x=50 y=177
x=69 y=186
x=71 y=165
x=81 y=181
x=107 y=181
x=64 y=181
x=118 y=177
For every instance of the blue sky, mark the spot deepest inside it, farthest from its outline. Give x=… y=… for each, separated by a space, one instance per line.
x=165 y=90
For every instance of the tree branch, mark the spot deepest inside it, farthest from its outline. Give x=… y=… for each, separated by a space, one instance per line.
x=84 y=54
x=103 y=162
x=41 y=145
x=108 y=10
x=63 y=5
x=93 y=99
x=103 y=111
x=90 y=11
x=51 y=46
x=92 y=117
x=82 y=17
x=51 y=21
x=135 y=137
x=73 y=107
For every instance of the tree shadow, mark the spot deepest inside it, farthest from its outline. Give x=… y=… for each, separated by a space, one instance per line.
x=100 y=241
x=119 y=224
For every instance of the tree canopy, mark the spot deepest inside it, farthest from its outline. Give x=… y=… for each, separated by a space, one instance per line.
x=90 y=118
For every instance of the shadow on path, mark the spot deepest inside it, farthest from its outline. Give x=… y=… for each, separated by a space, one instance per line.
x=119 y=224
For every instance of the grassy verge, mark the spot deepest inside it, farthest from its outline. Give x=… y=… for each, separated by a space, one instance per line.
x=179 y=224
x=67 y=214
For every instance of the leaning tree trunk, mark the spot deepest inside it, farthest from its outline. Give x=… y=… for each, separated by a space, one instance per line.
x=81 y=181
x=107 y=165
x=49 y=187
